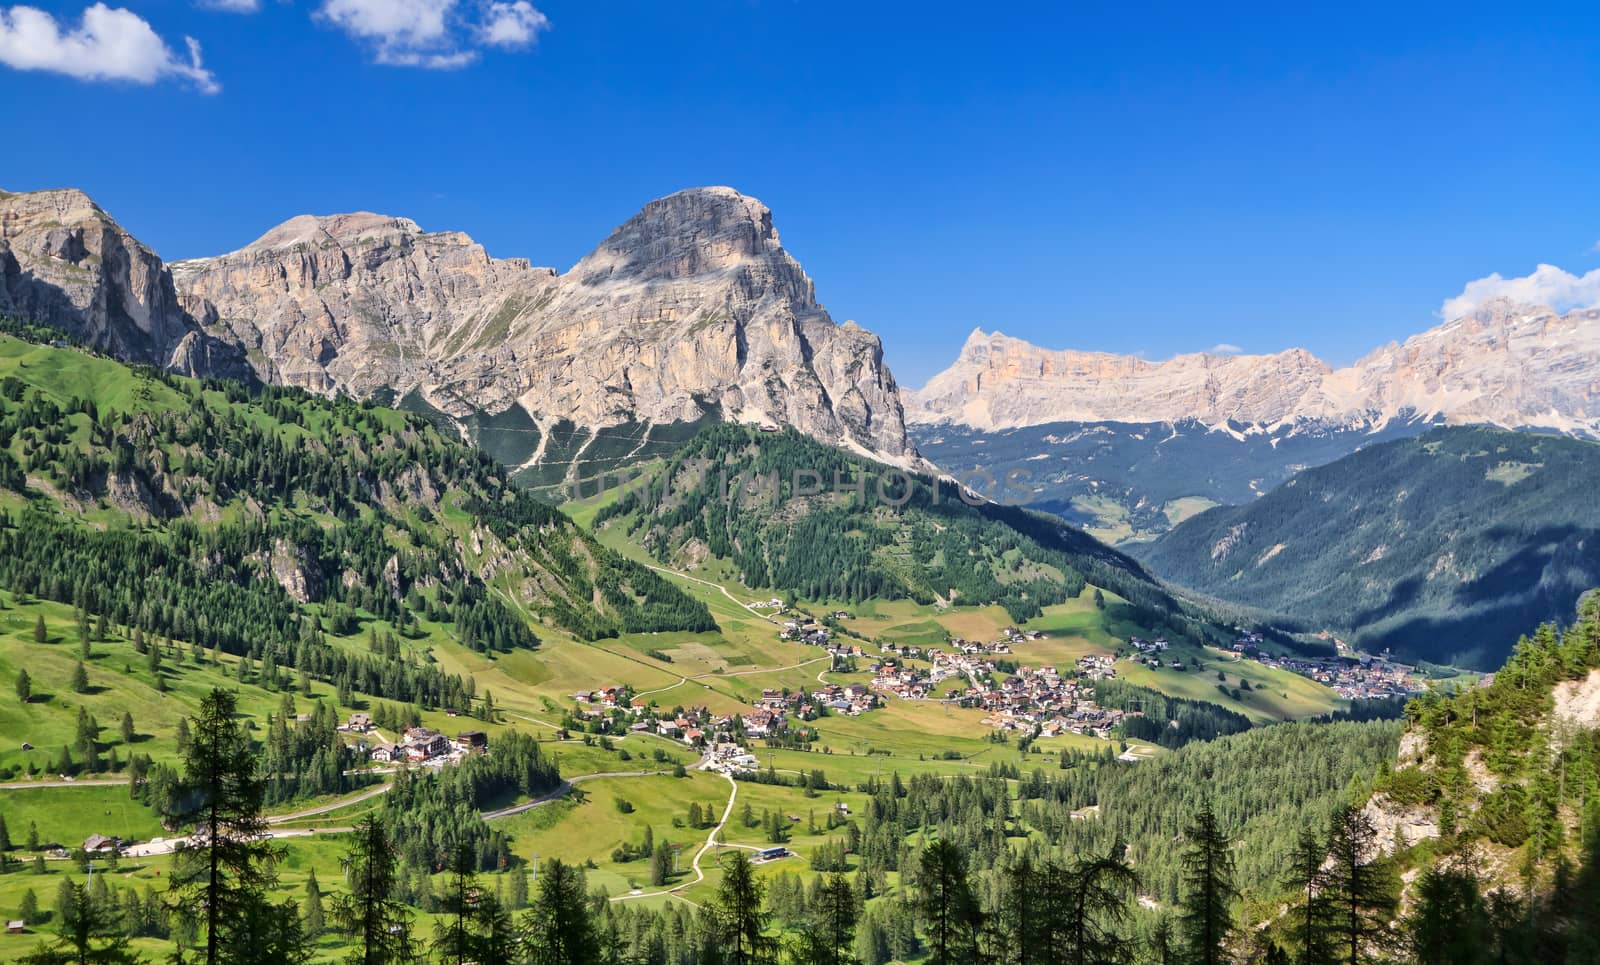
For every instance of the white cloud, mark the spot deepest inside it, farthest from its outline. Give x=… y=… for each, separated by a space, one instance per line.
x=1226 y=348
x=1548 y=285
x=107 y=44
x=440 y=34
x=231 y=6
x=515 y=24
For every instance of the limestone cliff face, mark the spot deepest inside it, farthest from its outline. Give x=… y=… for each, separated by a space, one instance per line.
x=691 y=304
x=1002 y=382
x=1507 y=364
x=65 y=262
x=354 y=301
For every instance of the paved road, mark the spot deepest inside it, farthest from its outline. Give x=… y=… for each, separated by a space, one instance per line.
x=366 y=795
x=168 y=845
x=711 y=842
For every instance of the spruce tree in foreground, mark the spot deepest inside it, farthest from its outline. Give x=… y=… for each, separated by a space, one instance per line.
x=1161 y=947
x=1309 y=917
x=370 y=913
x=557 y=929
x=1205 y=908
x=472 y=926
x=1097 y=893
x=1361 y=895
x=1447 y=924
x=88 y=933
x=948 y=906
x=226 y=868
x=740 y=921
x=269 y=934
x=829 y=935
x=311 y=915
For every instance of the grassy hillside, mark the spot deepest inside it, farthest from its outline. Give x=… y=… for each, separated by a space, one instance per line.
x=266 y=521
x=1440 y=547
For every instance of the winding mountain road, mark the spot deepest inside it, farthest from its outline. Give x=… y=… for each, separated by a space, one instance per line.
x=716 y=586
x=711 y=842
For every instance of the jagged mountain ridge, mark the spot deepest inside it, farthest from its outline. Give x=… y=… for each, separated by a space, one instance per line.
x=66 y=263
x=1505 y=363
x=691 y=307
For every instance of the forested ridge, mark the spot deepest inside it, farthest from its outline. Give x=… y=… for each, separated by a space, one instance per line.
x=794 y=515
x=258 y=520
x=1443 y=547
x=1514 y=764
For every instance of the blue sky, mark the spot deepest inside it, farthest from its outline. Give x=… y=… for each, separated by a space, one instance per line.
x=1151 y=179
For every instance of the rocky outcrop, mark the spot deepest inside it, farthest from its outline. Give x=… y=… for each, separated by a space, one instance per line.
x=1398 y=826
x=689 y=307
x=64 y=262
x=1506 y=364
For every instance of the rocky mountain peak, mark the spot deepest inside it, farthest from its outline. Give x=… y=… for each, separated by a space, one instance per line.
x=65 y=262
x=343 y=230
x=64 y=206
x=688 y=307
x=698 y=231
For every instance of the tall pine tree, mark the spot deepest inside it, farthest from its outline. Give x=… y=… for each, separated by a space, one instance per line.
x=227 y=866
x=1205 y=910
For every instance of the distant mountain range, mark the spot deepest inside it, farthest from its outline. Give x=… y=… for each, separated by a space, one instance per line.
x=1128 y=447
x=690 y=310
x=1505 y=364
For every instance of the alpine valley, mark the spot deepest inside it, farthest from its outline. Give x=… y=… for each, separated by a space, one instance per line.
x=370 y=598
x=1129 y=447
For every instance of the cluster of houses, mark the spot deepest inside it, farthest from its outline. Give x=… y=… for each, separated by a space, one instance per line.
x=417 y=745
x=913 y=683
x=1044 y=699
x=1027 y=699
x=775 y=708
x=1152 y=653
x=805 y=630
x=731 y=758
x=698 y=727
x=1364 y=680
x=1360 y=676
x=965 y=660
x=693 y=727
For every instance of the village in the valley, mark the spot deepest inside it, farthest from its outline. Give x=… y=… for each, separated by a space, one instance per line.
x=1352 y=675
x=1045 y=701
